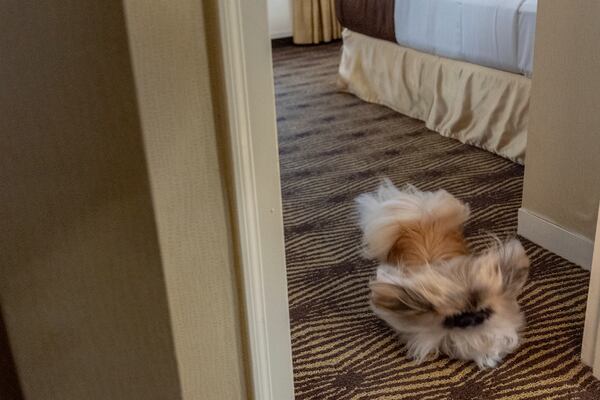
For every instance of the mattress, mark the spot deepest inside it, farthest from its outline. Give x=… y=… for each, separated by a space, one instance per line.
x=492 y=33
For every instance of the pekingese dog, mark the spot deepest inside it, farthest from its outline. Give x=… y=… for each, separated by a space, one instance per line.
x=429 y=288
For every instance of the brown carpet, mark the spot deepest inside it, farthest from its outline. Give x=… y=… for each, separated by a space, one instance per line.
x=333 y=147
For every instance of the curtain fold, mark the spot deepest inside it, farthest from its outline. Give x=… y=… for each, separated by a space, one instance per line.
x=315 y=22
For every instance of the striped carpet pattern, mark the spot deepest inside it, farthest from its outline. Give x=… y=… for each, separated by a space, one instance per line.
x=333 y=147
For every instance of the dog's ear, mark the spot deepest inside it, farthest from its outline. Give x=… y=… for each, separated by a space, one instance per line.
x=513 y=264
x=398 y=299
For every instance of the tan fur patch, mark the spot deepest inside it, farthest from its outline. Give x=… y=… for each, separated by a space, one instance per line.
x=421 y=244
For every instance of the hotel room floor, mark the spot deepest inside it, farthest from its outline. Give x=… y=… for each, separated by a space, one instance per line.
x=333 y=147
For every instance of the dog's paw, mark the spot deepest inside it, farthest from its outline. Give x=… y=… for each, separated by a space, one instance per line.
x=488 y=361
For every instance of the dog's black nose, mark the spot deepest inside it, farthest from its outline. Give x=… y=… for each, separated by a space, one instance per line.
x=467 y=319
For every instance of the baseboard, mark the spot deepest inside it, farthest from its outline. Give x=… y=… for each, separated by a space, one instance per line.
x=569 y=245
x=280 y=35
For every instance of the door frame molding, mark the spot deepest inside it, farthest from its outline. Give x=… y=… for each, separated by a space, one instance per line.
x=590 y=348
x=253 y=151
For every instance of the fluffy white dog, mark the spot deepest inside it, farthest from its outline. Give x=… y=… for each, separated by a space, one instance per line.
x=429 y=288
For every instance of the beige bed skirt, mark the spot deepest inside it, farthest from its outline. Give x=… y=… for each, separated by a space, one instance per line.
x=477 y=105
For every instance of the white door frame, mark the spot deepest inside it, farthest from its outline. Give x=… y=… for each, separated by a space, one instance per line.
x=590 y=349
x=248 y=76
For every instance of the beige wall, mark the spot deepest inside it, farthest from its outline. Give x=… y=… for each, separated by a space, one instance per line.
x=184 y=147
x=562 y=174
x=98 y=241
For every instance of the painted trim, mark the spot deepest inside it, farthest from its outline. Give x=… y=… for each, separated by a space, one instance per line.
x=281 y=35
x=248 y=76
x=590 y=349
x=572 y=246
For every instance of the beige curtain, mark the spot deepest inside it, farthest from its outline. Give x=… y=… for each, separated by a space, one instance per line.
x=315 y=21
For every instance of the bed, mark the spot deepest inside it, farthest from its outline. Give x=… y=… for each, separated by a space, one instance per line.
x=463 y=67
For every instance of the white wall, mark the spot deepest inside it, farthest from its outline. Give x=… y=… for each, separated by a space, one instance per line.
x=280 y=18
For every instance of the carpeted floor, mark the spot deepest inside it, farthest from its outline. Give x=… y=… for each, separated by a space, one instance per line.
x=333 y=147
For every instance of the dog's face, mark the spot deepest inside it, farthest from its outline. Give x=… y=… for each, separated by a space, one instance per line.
x=466 y=307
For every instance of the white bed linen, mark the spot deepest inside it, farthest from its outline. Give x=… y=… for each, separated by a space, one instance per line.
x=527 y=14
x=493 y=33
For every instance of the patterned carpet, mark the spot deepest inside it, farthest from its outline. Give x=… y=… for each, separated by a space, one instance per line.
x=333 y=147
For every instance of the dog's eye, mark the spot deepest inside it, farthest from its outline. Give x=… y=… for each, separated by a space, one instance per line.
x=399 y=299
x=474 y=299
